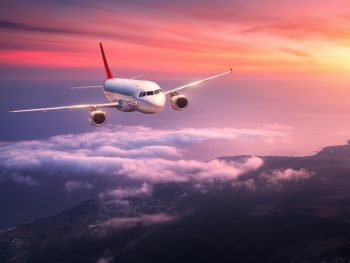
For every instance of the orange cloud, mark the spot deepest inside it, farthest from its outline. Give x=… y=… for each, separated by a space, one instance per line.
x=176 y=38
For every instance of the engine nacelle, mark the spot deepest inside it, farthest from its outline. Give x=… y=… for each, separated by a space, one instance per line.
x=179 y=102
x=97 y=118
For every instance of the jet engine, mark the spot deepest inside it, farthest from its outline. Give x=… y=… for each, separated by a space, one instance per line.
x=97 y=118
x=179 y=102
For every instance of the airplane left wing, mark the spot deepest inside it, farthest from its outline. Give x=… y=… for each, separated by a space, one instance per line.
x=87 y=87
x=194 y=83
x=73 y=107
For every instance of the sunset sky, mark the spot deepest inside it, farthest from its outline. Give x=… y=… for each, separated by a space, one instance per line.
x=290 y=59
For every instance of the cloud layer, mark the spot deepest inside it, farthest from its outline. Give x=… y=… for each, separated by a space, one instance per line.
x=137 y=153
x=123 y=162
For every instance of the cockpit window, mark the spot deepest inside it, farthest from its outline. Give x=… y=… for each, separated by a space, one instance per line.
x=149 y=93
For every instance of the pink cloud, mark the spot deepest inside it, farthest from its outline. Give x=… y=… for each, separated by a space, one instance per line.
x=177 y=37
x=188 y=170
x=277 y=177
x=122 y=223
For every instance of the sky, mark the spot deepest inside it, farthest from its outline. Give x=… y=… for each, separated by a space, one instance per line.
x=290 y=61
x=178 y=38
x=288 y=95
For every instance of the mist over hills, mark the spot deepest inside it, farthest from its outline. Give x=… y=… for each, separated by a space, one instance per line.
x=290 y=209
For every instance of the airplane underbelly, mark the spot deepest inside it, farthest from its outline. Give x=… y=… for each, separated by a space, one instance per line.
x=125 y=103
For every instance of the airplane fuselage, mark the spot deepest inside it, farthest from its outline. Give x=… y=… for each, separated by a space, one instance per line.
x=135 y=95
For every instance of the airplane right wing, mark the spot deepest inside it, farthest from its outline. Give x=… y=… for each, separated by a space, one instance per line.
x=194 y=83
x=73 y=107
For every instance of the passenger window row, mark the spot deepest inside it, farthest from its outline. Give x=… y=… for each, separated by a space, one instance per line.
x=149 y=93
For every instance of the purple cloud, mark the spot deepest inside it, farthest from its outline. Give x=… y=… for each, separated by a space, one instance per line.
x=27 y=180
x=277 y=177
x=121 y=223
x=126 y=161
x=126 y=192
x=71 y=186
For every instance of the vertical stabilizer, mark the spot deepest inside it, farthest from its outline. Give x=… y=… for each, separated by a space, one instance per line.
x=108 y=71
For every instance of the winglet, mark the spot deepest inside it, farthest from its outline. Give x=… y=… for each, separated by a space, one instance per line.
x=108 y=71
x=231 y=69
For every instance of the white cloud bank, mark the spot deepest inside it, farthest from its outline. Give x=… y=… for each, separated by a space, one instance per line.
x=138 y=153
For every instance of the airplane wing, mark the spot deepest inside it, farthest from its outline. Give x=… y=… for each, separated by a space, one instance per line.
x=137 y=76
x=87 y=87
x=194 y=83
x=73 y=107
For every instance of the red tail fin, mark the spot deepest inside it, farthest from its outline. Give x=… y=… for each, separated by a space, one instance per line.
x=108 y=71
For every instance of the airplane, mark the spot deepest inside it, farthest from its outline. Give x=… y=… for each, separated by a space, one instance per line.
x=129 y=95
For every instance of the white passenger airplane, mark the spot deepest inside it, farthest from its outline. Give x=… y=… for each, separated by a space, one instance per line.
x=130 y=95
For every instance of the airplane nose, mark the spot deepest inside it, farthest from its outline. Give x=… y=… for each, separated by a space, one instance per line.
x=159 y=101
x=152 y=104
